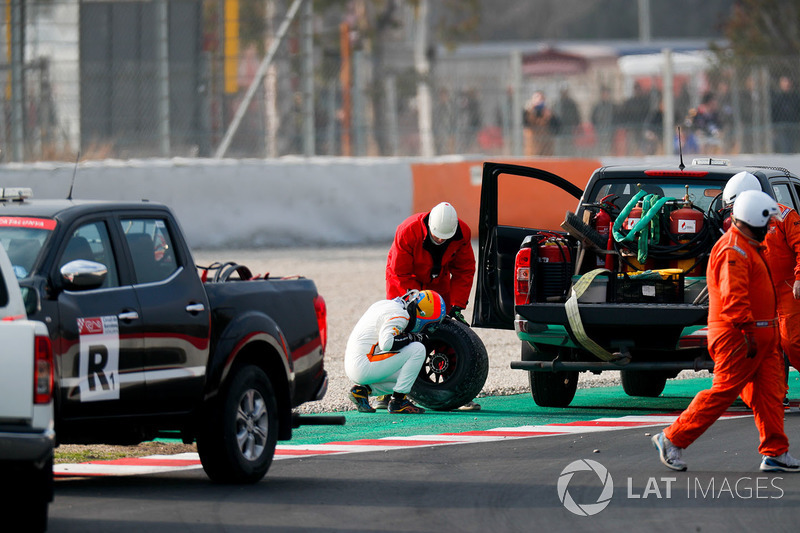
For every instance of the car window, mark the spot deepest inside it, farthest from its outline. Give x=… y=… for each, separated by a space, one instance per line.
x=151 y=248
x=91 y=243
x=23 y=239
x=701 y=194
x=783 y=195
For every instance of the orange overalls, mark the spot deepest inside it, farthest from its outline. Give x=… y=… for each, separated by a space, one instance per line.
x=741 y=301
x=783 y=258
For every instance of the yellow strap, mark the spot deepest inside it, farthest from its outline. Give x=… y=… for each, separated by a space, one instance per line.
x=574 y=316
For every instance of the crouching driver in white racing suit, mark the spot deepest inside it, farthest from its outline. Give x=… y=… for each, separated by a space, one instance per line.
x=385 y=351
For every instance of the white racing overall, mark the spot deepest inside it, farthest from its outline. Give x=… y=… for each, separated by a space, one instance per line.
x=368 y=359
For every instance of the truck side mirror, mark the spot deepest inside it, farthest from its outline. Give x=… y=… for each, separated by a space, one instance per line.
x=81 y=275
x=30 y=297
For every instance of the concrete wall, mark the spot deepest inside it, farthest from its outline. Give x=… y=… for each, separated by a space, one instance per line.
x=288 y=202
x=245 y=203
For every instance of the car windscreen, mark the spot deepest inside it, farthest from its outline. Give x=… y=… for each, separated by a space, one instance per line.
x=23 y=239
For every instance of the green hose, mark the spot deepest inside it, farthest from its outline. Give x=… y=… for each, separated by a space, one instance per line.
x=651 y=207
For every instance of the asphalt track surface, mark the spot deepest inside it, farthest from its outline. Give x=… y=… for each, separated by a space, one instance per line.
x=513 y=484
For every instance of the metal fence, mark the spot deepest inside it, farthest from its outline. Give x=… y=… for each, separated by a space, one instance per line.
x=164 y=78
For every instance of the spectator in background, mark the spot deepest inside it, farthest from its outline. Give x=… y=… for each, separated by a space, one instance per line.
x=725 y=115
x=706 y=125
x=653 y=131
x=444 y=122
x=683 y=102
x=469 y=120
x=634 y=114
x=685 y=140
x=603 y=119
x=746 y=106
x=539 y=122
x=504 y=116
x=569 y=118
x=786 y=116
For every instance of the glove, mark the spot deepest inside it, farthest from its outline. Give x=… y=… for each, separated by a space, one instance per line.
x=750 y=342
x=417 y=337
x=404 y=339
x=455 y=312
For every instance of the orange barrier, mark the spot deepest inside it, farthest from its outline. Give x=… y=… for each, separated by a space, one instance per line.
x=525 y=202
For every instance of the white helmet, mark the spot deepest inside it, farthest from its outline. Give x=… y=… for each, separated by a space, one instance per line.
x=743 y=181
x=443 y=221
x=755 y=208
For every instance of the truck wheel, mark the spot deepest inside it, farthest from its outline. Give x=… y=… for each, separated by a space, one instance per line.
x=649 y=384
x=237 y=440
x=549 y=389
x=455 y=369
x=32 y=494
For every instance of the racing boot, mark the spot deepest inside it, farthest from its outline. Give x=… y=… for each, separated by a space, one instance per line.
x=359 y=395
x=399 y=404
x=382 y=402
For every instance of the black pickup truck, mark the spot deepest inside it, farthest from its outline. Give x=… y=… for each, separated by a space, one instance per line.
x=620 y=285
x=147 y=345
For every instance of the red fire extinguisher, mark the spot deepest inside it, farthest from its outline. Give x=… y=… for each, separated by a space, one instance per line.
x=602 y=223
x=633 y=218
x=553 y=250
x=553 y=267
x=686 y=222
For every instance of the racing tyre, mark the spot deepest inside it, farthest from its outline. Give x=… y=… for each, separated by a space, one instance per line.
x=455 y=369
x=549 y=389
x=237 y=440
x=649 y=384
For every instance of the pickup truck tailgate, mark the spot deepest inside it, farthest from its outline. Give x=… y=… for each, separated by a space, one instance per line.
x=16 y=379
x=610 y=314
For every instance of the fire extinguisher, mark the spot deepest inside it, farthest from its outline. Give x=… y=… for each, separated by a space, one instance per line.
x=553 y=267
x=633 y=217
x=685 y=224
x=602 y=223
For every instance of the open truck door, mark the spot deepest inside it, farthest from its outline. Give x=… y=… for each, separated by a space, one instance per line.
x=504 y=224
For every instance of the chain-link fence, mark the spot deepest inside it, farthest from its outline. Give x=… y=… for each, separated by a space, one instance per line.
x=167 y=78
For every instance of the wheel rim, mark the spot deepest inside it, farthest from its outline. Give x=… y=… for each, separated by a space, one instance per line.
x=251 y=425
x=439 y=365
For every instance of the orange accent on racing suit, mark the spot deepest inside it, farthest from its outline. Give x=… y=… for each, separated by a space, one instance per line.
x=741 y=305
x=415 y=262
x=783 y=258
